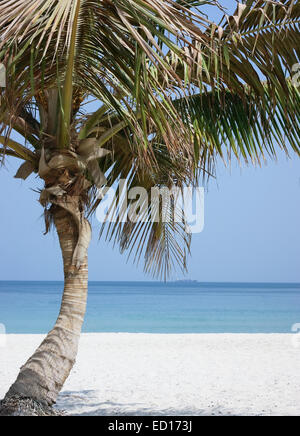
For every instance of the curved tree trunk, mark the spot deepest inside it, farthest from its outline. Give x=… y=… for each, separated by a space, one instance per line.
x=45 y=373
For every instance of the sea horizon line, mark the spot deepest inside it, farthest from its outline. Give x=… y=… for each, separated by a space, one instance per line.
x=151 y=282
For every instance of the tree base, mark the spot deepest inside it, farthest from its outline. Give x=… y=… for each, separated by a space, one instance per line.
x=19 y=406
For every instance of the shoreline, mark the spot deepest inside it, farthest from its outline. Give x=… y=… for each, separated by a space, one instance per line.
x=163 y=334
x=173 y=374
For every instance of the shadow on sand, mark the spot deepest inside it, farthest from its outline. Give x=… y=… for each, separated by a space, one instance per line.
x=87 y=403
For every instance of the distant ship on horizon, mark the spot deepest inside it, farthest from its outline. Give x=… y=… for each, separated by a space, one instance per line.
x=187 y=281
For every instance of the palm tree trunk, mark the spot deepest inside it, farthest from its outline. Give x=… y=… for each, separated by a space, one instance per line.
x=45 y=373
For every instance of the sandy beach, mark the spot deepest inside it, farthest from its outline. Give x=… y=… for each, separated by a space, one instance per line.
x=182 y=374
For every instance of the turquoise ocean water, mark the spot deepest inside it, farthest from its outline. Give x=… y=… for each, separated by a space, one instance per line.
x=153 y=307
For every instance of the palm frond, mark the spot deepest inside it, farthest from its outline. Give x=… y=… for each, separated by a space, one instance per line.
x=161 y=244
x=21 y=151
x=247 y=128
x=259 y=43
x=113 y=51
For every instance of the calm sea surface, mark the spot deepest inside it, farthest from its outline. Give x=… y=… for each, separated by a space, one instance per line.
x=152 y=307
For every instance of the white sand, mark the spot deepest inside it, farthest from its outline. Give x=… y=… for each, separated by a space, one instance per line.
x=194 y=374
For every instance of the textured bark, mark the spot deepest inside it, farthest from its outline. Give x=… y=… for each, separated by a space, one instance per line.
x=45 y=373
x=19 y=406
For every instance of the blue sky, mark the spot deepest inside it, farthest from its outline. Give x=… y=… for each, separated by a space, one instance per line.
x=251 y=231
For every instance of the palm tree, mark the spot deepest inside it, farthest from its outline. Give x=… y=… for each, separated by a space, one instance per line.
x=173 y=92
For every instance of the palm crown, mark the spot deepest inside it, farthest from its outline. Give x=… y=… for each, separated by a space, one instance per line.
x=174 y=92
